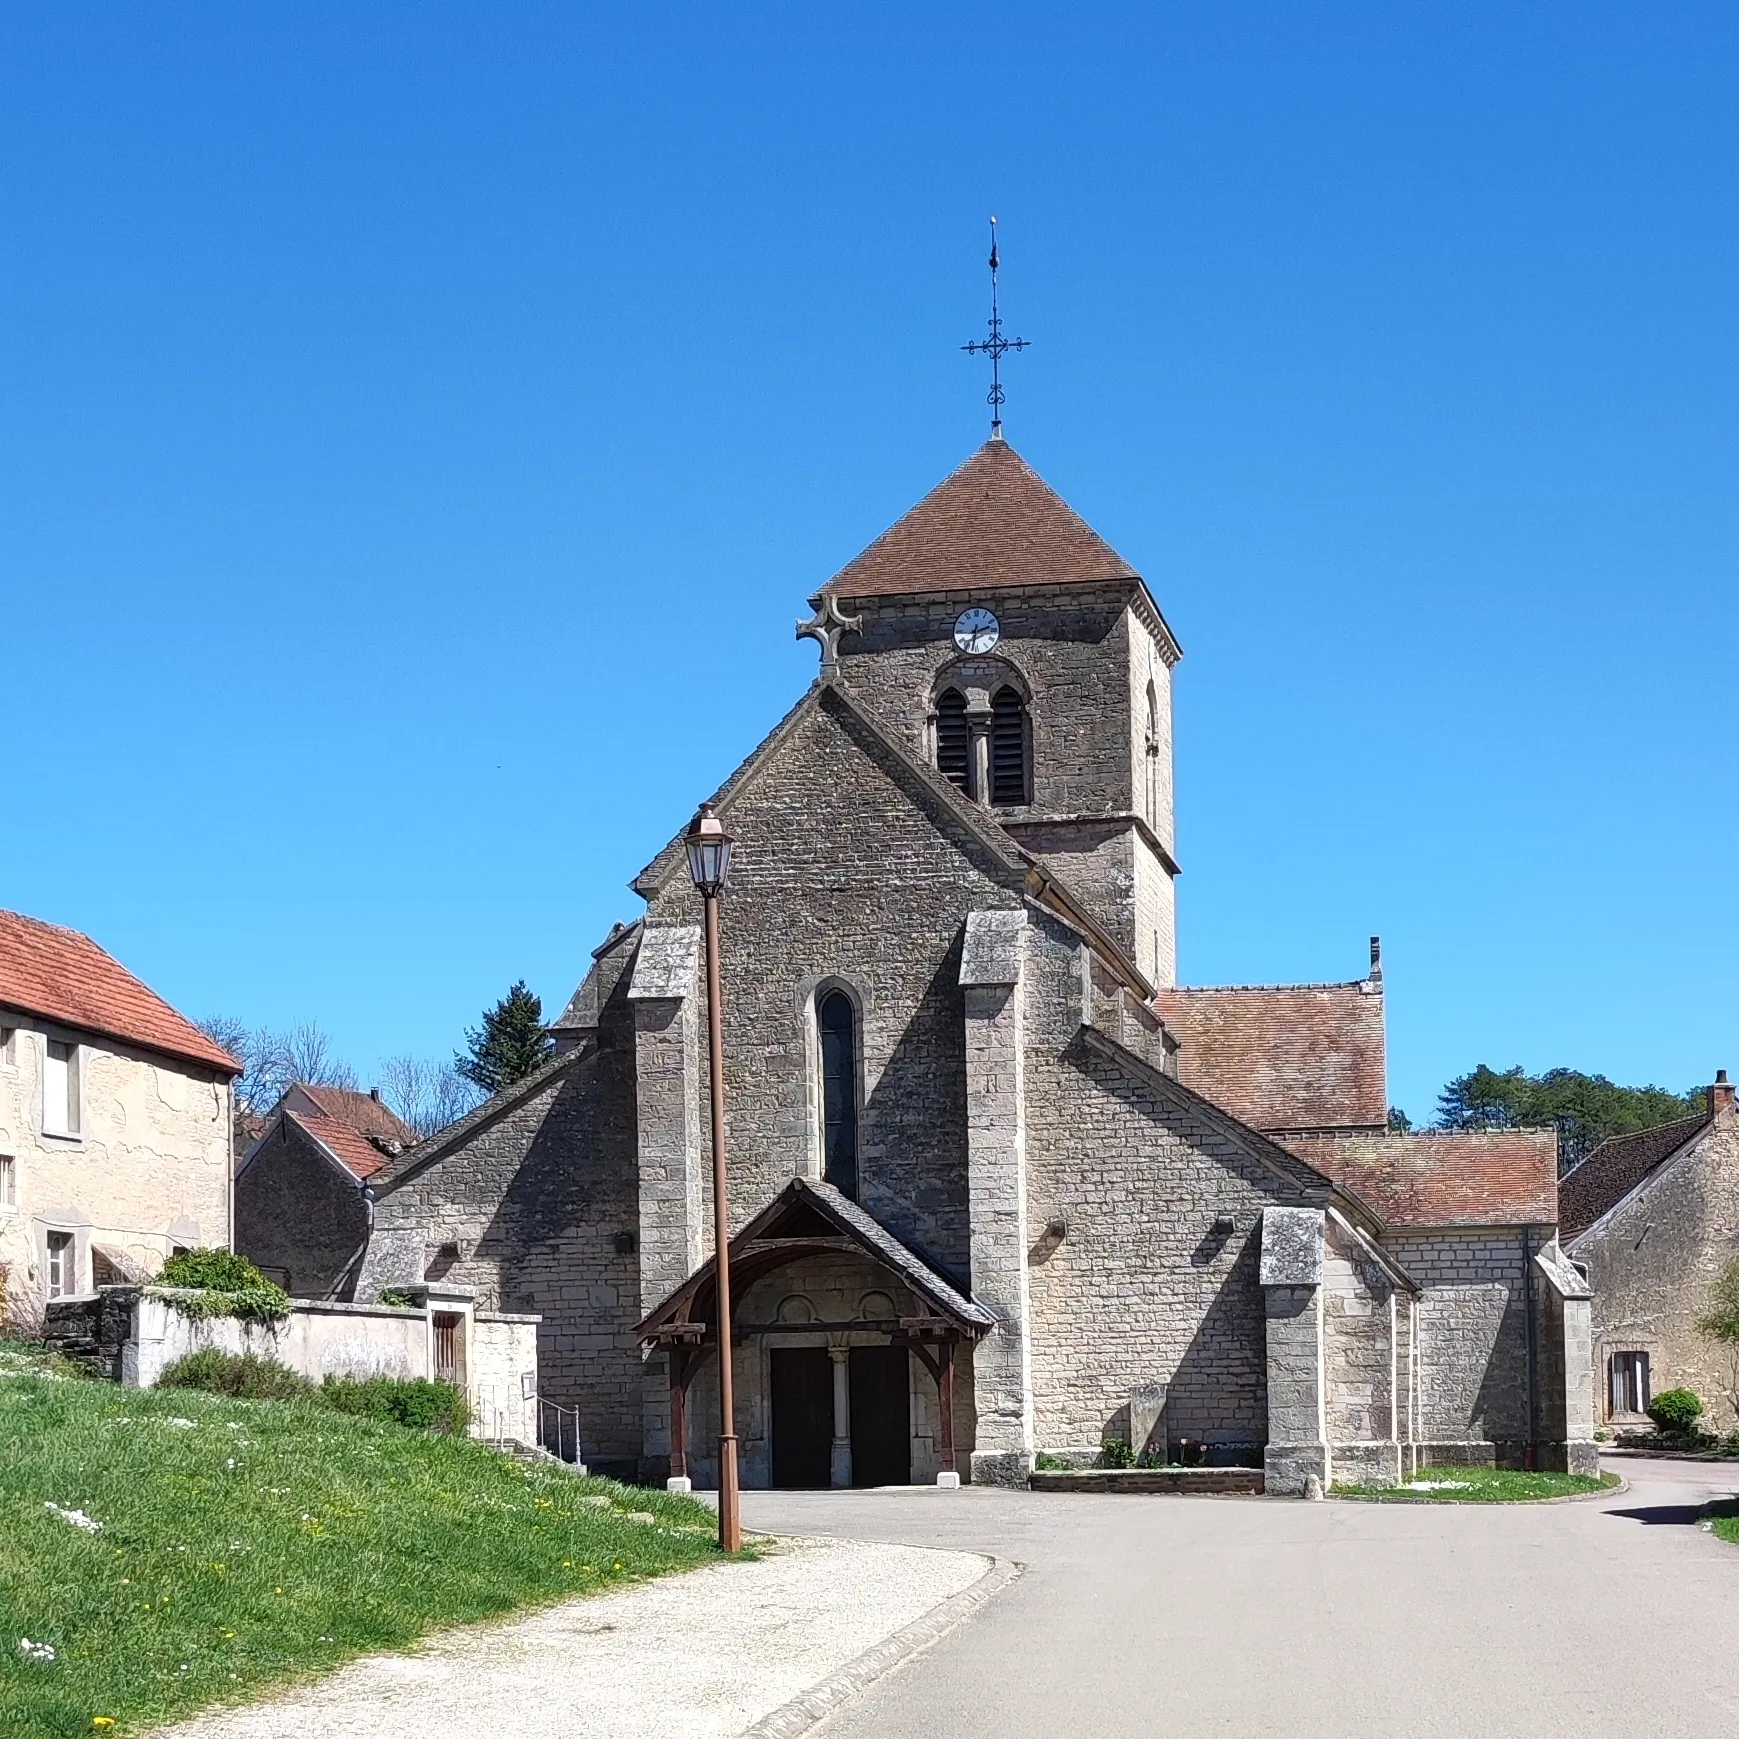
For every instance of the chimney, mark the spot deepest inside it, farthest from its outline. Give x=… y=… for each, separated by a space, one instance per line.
x=1721 y=1094
x=1376 y=960
x=374 y=1094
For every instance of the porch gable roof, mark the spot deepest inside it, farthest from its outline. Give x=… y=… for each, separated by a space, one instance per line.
x=808 y=1217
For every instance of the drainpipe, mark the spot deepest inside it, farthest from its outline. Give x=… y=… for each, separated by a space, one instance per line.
x=1533 y=1345
x=352 y=1272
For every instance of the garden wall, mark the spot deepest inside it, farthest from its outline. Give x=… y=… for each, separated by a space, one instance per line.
x=131 y=1336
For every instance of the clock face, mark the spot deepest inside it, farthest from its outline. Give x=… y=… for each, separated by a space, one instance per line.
x=977 y=630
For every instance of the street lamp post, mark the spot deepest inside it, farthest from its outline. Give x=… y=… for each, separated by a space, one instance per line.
x=709 y=867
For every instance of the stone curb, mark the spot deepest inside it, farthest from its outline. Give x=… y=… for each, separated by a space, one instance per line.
x=1486 y=1503
x=815 y=1704
x=1708 y=1457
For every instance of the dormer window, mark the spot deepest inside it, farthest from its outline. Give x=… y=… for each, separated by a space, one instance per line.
x=1008 y=749
x=954 y=740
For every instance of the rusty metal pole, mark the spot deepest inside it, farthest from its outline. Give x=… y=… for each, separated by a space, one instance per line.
x=730 y=1516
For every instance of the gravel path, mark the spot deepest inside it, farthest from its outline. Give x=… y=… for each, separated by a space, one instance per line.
x=702 y=1655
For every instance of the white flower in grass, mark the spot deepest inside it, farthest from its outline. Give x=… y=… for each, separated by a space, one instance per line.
x=78 y=1518
x=181 y=1424
x=35 y=1651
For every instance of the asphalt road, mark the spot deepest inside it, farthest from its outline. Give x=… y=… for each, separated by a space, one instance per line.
x=1164 y=1616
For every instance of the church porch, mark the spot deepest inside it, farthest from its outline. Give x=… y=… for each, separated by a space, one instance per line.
x=851 y=1359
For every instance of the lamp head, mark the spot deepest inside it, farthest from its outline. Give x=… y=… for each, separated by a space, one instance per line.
x=709 y=852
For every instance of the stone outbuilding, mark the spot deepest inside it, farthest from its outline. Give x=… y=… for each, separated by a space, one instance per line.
x=1652 y=1219
x=999 y=1186
x=115 y=1121
x=303 y=1202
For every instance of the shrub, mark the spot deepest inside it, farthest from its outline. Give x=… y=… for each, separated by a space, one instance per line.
x=244 y=1374
x=221 y=1283
x=402 y=1297
x=410 y=1401
x=1676 y=1411
x=216 y=1270
x=1115 y=1452
x=413 y=1401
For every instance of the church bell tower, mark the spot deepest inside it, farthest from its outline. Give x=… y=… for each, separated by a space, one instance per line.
x=1027 y=662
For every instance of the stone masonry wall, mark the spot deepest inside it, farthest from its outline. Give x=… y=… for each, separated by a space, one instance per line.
x=149 y=1169
x=847 y=872
x=1358 y=1342
x=1472 y=1332
x=1651 y=1265
x=296 y=1215
x=1139 y=1289
x=537 y=1201
x=1086 y=659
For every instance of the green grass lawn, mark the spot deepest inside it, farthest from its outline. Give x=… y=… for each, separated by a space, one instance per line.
x=1485 y=1485
x=1724 y=1521
x=243 y=1543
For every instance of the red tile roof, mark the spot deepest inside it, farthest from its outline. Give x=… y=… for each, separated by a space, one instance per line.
x=994 y=522
x=360 y=1155
x=1499 y=1177
x=1614 y=1169
x=1284 y=1056
x=63 y=976
x=362 y=1111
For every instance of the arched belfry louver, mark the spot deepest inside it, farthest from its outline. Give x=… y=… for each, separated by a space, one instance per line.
x=953 y=739
x=1008 y=749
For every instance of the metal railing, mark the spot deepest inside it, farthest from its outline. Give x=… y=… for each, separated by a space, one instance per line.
x=558 y=1430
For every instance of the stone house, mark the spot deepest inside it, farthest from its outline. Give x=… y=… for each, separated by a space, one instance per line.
x=1652 y=1219
x=303 y=1205
x=999 y=1186
x=115 y=1116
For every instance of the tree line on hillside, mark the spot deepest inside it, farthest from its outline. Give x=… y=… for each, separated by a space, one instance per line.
x=1584 y=1109
x=426 y=1093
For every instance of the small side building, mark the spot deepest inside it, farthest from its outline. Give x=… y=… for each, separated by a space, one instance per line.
x=115 y=1121
x=303 y=1205
x=1652 y=1219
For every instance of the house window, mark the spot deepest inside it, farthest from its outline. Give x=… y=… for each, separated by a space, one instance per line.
x=954 y=740
x=837 y=1019
x=60 y=1089
x=8 y=1046
x=62 y=1265
x=1008 y=745
x=8 y=1181
x=1629 y=1380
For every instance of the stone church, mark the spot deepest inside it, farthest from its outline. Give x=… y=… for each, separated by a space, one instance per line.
x=999 y=1186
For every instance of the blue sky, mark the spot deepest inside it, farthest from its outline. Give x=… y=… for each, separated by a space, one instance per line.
x=421 y=424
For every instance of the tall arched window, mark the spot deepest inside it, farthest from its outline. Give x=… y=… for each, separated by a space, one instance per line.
x=1008 y=748
x=837 y=1019
x=953 y=739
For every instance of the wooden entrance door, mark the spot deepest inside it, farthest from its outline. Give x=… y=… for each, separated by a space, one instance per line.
x=881 y=1416
x=802 y=1398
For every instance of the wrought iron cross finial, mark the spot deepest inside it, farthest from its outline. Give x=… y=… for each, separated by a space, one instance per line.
x=826 y=625
x=995 y=346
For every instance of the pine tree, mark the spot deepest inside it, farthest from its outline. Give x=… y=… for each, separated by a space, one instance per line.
x=510 y=1044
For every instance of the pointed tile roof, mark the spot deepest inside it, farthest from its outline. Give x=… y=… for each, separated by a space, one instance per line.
x=994 y=522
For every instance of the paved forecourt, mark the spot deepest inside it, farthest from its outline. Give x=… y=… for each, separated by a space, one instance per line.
x=1188 y=1616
